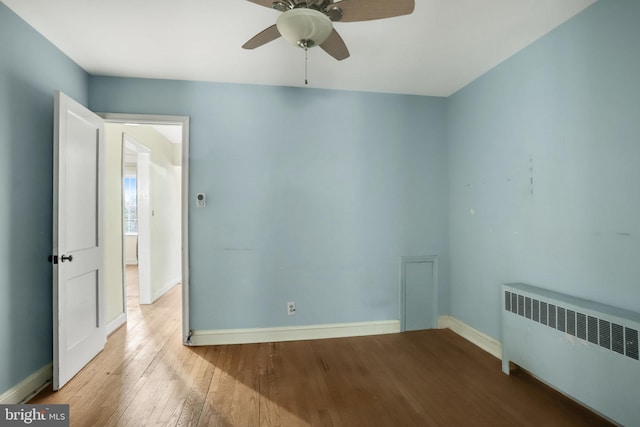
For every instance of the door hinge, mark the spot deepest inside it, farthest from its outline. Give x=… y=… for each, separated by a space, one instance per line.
x=53 y=259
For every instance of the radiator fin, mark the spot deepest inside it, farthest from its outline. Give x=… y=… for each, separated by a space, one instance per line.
x=631 y=339
x=581 y=326
x=543 y=313
x=536 y=310
x=571 y=322
x=592 y=328
x=552 y=316
x=617 y=338
x=605 y=334
x=521 y=305
x=562 y=319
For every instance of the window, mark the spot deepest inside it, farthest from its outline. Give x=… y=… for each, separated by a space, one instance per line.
x=130 y=205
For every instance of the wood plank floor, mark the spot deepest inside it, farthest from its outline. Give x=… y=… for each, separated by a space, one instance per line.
x=145 y=376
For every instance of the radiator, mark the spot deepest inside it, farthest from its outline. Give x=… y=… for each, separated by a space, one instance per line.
x=585 y=350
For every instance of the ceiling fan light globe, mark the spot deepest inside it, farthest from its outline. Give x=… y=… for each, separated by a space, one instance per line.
x=303 y=24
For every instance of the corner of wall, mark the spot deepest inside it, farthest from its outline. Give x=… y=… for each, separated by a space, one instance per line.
x=29 y=387
x=482 y=340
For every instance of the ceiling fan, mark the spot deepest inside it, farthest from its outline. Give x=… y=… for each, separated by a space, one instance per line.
x=309 y=23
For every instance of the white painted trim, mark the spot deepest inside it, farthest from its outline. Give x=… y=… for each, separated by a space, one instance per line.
x=123 y=241
x=144 y=206
x=29 y=387
x=482 y=340
x=184 y=122
x=443 y=322
x=120 y=320
x=293 y=333
x=166 y=288
x=186 y=328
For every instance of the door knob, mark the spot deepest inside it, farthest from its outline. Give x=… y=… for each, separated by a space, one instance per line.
x=64 y=258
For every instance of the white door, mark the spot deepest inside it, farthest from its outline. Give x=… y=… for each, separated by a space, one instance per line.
x=79 y=330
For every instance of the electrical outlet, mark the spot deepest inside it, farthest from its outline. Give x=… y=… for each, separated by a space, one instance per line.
x=291 y=308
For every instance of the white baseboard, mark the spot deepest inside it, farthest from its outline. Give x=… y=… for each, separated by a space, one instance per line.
x=166 y=288
x=478 y=338
x=29 y=387
x=120 y=320
x=293 y=333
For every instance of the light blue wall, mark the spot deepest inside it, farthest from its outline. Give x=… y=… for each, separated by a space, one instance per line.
x=30 y=70
x=571 y=103
x=312 y=196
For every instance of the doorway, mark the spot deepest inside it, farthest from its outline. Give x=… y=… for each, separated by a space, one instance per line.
x=149 y=230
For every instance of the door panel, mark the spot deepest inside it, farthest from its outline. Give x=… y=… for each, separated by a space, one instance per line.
x=81 y=184
x=78 y=305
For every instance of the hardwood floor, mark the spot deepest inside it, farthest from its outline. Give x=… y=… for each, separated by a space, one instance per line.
x=145 y=376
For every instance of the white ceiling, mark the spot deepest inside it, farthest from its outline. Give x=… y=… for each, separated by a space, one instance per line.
x=172 y=132
x=441 y=47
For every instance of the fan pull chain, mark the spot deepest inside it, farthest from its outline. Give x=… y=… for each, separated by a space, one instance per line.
x=306 y=60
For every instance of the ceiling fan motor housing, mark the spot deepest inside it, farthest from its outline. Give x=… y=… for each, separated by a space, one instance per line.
x=334 y=13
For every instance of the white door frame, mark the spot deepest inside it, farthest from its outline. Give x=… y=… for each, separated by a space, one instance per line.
x=143 y=163
x=147 y=119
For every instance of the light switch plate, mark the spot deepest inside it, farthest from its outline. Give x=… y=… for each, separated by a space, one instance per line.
x=201 y=200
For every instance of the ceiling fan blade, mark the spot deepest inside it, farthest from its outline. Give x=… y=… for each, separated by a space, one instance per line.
x=367 y=10
x=265 y=3
x=265 y=36
x=334 y=46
